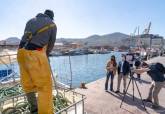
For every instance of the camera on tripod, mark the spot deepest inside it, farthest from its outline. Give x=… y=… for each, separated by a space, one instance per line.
x=130 y=59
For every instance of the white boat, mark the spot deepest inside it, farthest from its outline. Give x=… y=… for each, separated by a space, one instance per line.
x=7 y=58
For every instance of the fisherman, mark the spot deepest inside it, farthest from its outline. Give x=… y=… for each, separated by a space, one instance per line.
x=156 y=71
x=35 y=73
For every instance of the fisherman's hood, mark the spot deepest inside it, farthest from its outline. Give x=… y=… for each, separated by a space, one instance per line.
x=42 y=15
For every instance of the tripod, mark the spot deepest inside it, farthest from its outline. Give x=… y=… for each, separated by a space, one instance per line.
x=132 y=79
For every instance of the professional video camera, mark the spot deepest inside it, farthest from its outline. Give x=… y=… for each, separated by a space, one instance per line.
x=130 y=58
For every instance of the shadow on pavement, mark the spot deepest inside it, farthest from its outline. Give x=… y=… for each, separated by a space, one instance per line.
x=137 y=102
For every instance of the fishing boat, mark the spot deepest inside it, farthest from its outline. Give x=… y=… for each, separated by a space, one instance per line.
x=7 y=74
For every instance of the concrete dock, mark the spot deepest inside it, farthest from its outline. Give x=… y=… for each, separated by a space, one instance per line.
x=100 y=102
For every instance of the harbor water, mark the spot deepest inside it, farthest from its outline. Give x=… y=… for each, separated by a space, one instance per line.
x=77 y=69
x=84 y=68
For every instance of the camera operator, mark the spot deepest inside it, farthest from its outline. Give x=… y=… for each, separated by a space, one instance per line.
x=156 y=72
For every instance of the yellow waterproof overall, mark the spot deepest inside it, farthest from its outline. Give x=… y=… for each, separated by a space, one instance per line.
x=35 y=75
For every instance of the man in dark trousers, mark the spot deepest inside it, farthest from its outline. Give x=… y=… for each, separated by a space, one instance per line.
x=156 y=71
x=123 y=71
x=35 y=73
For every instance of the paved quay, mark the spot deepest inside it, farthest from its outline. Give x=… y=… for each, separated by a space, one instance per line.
x=100 y=102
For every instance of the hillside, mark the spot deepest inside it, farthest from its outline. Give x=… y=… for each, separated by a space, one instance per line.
x=114 y=39
x=10 y=41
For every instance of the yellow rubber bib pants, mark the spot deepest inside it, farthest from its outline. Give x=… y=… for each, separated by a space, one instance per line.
x=35 y=75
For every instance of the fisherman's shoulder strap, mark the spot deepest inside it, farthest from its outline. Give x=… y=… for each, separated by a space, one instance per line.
x=43 y=29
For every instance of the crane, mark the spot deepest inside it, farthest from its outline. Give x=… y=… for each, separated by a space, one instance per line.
x=135 y=31
x=139 y=42
x=132 y=36
x=147 y=30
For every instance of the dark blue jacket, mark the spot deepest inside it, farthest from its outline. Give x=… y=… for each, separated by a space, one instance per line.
x=126 y=68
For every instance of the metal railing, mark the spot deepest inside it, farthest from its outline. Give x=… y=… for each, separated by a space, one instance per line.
x=74 y=105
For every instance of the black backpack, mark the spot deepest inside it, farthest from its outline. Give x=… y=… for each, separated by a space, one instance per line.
x=156 y=72
x=160 y=67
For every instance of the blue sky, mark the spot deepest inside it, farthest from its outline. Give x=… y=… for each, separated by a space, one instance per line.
x=82 y=18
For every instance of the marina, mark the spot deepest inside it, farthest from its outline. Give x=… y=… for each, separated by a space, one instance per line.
x=82 y=57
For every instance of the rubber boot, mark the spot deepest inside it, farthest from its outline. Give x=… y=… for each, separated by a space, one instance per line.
x=32 y=100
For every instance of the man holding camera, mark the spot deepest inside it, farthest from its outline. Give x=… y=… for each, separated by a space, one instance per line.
x=156 y=72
